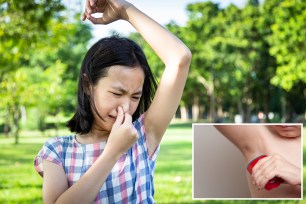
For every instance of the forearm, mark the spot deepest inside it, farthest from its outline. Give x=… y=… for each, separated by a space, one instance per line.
x=86 y=189
x=167 y=46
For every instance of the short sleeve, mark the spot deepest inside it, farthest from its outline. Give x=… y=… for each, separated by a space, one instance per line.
x=51 y=151
x=139 y=125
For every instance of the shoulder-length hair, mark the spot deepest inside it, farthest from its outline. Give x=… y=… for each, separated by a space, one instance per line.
x=102 y=55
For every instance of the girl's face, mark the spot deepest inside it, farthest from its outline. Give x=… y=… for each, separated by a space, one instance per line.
x=122 y=87
x=287 y=130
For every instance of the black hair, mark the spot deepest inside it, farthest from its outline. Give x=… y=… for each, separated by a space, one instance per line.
x=107 y=52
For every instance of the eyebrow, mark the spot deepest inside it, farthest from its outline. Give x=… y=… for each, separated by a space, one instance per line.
x=125 y=91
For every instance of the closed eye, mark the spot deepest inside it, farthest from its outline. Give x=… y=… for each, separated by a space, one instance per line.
x=116 y=94
x=136 y=97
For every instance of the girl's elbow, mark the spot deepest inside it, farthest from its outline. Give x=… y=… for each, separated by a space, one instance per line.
x=188 y=54
x=185 y=58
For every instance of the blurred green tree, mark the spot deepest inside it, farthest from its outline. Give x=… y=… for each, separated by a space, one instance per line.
x=41 y=48
x=288 y=43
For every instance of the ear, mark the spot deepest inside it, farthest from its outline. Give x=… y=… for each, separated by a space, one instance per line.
x=86 y=85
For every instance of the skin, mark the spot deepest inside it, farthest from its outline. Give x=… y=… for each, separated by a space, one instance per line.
x=117 y=128
x=281 y=144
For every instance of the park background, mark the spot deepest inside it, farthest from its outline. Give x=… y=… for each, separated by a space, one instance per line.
x=249 y=65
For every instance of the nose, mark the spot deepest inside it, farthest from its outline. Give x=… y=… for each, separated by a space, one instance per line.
x=126 y=106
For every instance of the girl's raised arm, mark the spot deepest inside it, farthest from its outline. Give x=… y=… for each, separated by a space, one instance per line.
x=176 y=57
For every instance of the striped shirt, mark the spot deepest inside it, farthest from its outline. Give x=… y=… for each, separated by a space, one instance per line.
x=130 y=180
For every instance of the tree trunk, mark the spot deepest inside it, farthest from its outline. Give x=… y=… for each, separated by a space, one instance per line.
x=184 y=113
x=240 y=109
x=248 y=114
x=16 y=118
x=195 y=108
x=7 y=125
x=209 y=86
x=247 y=117
x=23 y=115
x=201 y=112
x=220 y=111
x=283 y=102
x=212 y=105
x=266 y=106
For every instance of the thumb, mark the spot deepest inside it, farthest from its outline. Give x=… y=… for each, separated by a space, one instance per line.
x=119 y=119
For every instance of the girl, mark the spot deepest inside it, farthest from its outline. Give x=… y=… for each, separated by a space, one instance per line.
x=119 y=126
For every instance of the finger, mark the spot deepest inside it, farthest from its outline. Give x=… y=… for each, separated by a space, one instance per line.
x=266 y=166
x=92 y=2
x=128 y=119
x=260 y=167
x=83 y=16
x=119 y=119
x=256 y=183
x=88 y=9
x=266 y=172
x=257 y=172
x=97 y=20
x=93 y=19
x=264 y=178
x=256 y=186
x=259 y=164
x=268 y=177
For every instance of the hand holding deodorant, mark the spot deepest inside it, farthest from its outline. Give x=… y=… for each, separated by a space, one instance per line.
x=273 y=183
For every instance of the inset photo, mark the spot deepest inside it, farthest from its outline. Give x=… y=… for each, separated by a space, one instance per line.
x=247 y=161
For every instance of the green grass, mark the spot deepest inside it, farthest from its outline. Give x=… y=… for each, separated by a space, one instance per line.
x=19 y=182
